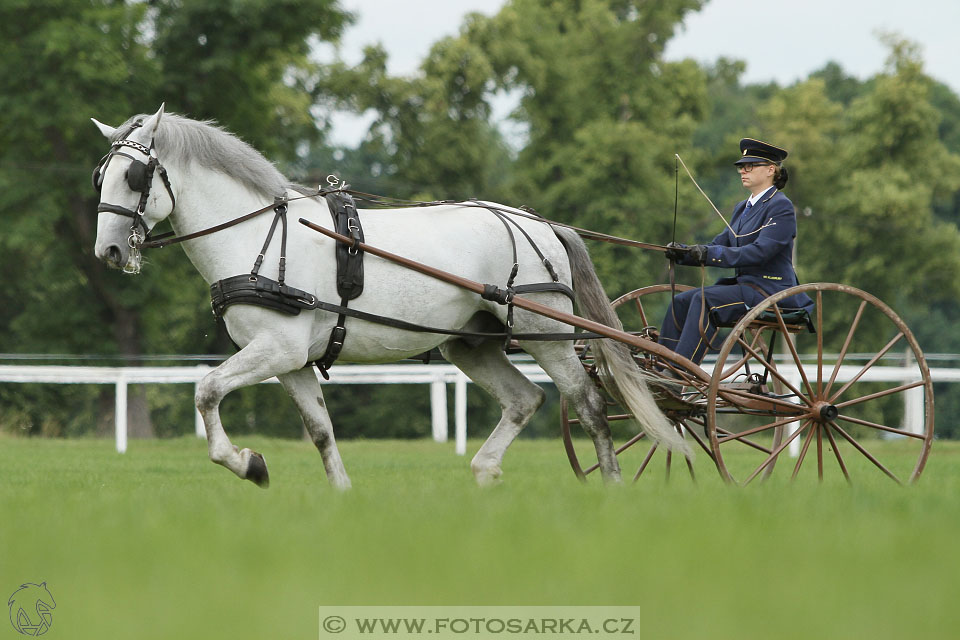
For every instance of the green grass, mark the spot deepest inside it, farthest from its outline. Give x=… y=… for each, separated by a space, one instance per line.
x=160 y=543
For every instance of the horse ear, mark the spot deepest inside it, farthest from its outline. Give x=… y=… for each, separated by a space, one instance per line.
x=151 y=123
x=105 y=129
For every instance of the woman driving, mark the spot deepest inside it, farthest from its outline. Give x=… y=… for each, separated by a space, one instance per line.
x=758 y=245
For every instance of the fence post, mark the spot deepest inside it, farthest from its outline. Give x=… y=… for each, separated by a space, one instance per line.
x=460 y=411
x=913 y=400
x=120 y=413
x=438 y=410
x=198 y=428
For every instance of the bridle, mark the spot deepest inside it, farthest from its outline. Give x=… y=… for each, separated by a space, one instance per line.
x=139 y=177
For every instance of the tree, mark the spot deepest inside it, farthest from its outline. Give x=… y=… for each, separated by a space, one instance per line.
x=604 y=112
x=876 y=228
x=432 y=131
x=63 y=62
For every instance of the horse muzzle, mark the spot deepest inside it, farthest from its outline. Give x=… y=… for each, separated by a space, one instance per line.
x=113 y=255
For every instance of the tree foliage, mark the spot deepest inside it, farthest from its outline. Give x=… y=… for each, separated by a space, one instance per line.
x=874 y=164
x=64 y=62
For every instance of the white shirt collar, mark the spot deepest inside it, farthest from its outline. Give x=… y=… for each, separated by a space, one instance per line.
x=753 y=199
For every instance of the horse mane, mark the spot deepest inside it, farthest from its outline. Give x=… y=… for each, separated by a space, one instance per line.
x=211 y=146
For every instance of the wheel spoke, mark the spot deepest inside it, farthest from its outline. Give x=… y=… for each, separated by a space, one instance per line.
x=643 y=314
x=866 y=453
x=819 y=343
x=880 y=394
x=836 y=452
x=613 y=418
x=776 y=452
x=629 y=443
x=846 y=345
x=793 y=351
x=753 y=396
x=818 y=429
x=568 y=442
x=803 y=453
x=750 y=432
x=749 y=443
x=867 y=366
x=736 y=366
x=645 y=462
x=699 y=440
x=693 y=475
x=882 y=427
x=774 y=371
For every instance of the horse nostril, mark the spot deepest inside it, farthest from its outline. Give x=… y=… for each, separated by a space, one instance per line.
x=113 y=254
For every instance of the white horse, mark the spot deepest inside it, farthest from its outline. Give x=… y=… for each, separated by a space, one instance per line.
x=206 y=176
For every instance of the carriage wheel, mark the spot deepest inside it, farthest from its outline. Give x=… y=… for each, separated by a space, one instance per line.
x=637 y=455
x=856 y=395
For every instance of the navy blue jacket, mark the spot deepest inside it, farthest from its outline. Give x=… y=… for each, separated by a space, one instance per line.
x=763 y=254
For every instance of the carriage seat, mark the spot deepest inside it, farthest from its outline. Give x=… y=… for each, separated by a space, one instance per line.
x=797 y=320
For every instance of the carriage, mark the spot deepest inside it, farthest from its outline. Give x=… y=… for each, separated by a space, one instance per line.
x=849 y=388
x=855 y=396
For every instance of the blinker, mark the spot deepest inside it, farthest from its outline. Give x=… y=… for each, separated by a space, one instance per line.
x=137 y=176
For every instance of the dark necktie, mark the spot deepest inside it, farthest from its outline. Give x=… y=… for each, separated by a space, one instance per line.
x=743 y=215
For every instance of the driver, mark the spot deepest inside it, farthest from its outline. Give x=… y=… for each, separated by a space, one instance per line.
x=758 y=246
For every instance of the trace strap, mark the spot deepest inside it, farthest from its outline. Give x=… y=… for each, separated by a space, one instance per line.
x=264 y=292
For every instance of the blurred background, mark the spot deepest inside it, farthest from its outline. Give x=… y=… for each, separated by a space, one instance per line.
x=575 y=108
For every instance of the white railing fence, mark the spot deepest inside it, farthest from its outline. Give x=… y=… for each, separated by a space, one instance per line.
x=438 y=376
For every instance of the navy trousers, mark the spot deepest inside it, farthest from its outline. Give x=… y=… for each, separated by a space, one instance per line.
x=681 y=330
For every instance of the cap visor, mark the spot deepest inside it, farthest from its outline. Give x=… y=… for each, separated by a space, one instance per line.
x=752 y=159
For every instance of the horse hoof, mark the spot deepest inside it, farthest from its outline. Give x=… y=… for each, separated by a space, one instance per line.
x=257 y=471
x=488 y=477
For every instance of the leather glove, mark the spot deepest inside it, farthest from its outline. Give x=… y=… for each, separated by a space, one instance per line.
x=676 y=252
x=697 y=254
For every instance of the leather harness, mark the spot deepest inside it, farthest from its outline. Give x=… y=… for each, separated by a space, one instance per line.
x=346 y=221
x=259 y=290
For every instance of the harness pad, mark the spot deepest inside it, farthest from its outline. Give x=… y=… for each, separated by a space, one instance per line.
x=346 y=221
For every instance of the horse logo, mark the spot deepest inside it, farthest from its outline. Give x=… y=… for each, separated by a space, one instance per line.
x=30 y=609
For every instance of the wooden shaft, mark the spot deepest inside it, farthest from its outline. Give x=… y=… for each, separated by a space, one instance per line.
x=583 y=323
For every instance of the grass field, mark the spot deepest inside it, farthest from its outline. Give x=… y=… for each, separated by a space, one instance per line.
x=160 y=543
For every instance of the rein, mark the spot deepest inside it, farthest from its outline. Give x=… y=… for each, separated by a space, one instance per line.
x=170 y=237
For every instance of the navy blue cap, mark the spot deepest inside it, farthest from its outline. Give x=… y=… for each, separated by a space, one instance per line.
x=758 y=151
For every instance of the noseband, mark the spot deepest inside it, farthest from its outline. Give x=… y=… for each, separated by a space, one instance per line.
x=139 y=178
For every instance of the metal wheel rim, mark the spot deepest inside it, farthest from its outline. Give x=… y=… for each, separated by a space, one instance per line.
x=866 y=299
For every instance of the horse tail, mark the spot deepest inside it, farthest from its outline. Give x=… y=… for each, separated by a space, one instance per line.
x=619 y=373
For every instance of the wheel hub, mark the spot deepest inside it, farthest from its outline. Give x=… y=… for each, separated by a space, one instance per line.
x=825 y=412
